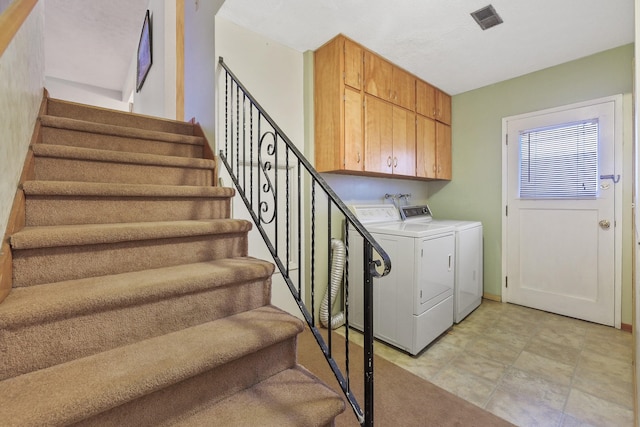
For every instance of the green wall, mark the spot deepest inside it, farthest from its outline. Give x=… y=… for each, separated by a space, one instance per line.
x=476 y=189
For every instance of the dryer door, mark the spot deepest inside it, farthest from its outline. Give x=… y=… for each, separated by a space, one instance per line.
x=436 y=271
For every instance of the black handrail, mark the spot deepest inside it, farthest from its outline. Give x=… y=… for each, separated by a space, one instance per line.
x=246 y=123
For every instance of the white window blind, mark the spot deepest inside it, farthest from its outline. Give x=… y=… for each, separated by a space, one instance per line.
x=560 y=162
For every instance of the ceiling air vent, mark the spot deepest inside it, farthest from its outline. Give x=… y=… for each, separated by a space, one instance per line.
x=487 y=17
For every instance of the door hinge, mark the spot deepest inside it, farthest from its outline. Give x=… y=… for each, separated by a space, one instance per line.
x=421 y=253
x=506 y=139
x=506 y=281
x=506 y=210
x=420 y=294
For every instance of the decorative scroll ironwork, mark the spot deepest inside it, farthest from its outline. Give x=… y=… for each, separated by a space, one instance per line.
x=268 y=194
x=265 y=166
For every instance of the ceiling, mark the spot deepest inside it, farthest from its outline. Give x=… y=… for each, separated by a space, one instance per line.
x=93 y=41
x=439 y=41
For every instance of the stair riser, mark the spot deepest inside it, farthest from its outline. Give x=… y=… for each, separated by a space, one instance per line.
x=168 y=405
x=24 y=350
x=58 y=169
x=117 y=143
x=53 y=210
x=99 y=115
x=49 y=265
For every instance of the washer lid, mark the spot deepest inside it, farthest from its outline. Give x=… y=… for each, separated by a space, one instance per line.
x=410 y=228
x=458 y=224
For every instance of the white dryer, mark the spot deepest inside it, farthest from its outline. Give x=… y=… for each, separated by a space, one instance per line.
x=413 y=304
x=468 y=288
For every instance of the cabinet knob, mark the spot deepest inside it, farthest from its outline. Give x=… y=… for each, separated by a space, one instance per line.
x=434 y=167
x=395 y=162
x=389 y=161
x=358 y=157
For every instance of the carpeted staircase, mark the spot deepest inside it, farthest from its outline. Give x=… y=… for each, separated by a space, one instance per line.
x=134 y=302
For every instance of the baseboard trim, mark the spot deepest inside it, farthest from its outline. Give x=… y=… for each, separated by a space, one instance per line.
x=492 y=297
x=626 y=327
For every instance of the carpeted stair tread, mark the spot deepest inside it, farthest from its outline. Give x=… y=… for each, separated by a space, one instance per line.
x=291 y=398
x=64 y=108
x=75 y=390
x=114 y=130
x=53 y=301
x=91 y=234
x=99 y=189
x=91 y=154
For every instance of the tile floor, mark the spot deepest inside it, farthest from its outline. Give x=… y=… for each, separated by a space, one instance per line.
x=531 y=367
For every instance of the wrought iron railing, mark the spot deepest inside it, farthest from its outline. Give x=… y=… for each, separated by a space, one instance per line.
x=272 y=177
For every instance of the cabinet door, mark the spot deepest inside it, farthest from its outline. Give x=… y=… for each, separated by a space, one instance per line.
x=353 y=138
x=425 y=99
x=378 y=135
x=443 y=107
x=443 y=151
x=404 y=142
x=403 y=89
x=377 y=76
x=352 y=64
x=425 y=147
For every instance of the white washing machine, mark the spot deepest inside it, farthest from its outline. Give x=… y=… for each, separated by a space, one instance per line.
x=468 y=287
x=413 y=304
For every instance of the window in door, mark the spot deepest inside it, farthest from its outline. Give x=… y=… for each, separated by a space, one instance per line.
x=560 y=162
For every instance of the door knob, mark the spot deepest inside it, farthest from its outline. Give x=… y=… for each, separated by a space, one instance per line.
x=605 y=224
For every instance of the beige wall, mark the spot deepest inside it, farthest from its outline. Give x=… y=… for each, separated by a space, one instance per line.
x=200 y=63
x=273 y=74
x=21 y=89
x=475 y=191
x=157 y=97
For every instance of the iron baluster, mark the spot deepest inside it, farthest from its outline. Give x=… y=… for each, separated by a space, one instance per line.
x=313 y=250
x=286 y=207
x=329 y=296
x=368 y=332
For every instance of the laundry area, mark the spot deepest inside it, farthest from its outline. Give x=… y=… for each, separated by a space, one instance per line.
x=436 y=277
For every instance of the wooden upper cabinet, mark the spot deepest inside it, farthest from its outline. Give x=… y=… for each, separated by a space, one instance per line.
x=425 y=99
x=425 y=147
x=378 y=75
x=386 y=81
x=352 y=64
x=404 y=142
x=378 y=135
x=443 y=107
x=443 y=151
x=374 y=118
x=403 y=89
x=432 y=102
x=353 y=133
x=433 y=149
x=390 y=138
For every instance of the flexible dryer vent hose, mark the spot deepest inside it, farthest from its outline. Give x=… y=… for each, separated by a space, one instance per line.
x=337 y=267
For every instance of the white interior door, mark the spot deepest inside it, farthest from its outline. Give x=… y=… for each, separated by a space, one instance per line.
x=560 y=244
